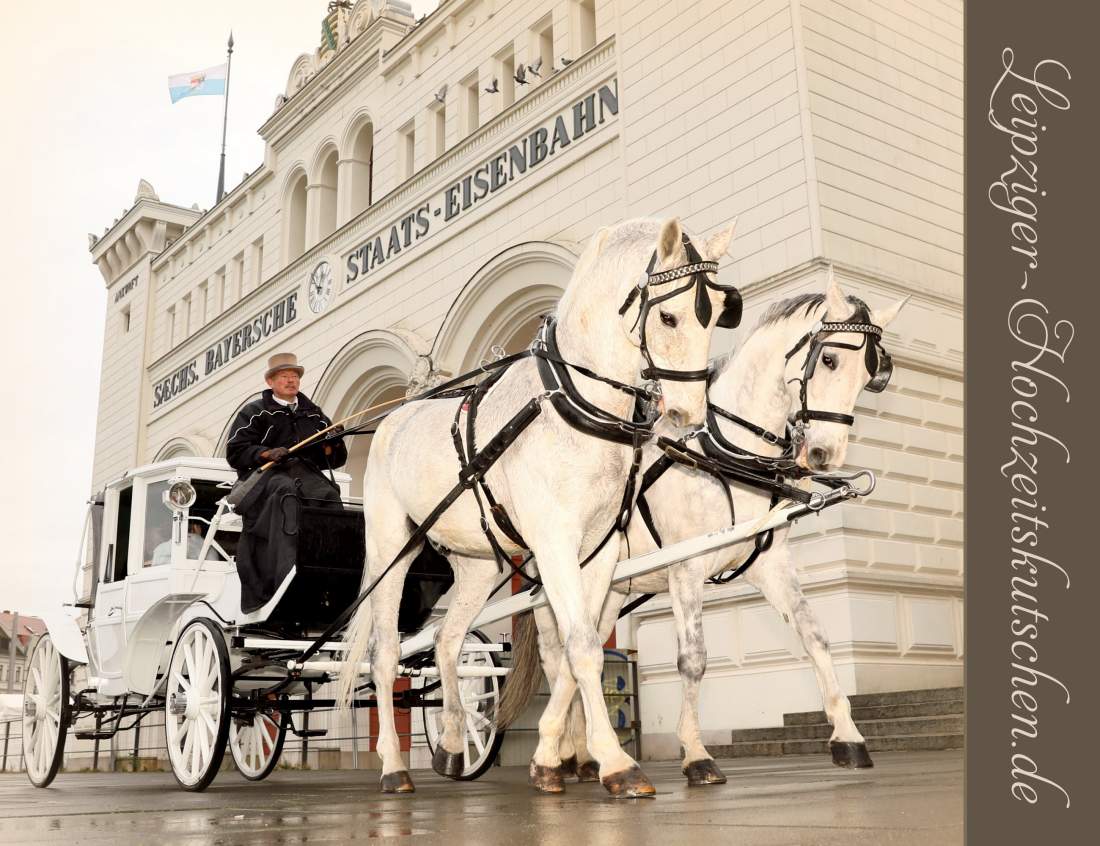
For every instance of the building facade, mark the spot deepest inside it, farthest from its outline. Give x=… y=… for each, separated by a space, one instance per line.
x=427 y=187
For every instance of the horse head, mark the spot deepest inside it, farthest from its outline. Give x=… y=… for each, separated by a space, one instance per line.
x=669 y=302
x=832 y=361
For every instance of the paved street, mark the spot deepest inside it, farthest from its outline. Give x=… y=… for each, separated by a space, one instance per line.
x=908 y=798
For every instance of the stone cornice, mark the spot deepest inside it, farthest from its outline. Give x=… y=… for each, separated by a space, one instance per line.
x=253 y=180
x=143 y=208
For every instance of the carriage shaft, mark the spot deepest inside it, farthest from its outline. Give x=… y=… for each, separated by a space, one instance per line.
x=427 y=672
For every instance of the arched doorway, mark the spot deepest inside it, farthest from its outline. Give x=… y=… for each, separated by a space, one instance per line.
x=370 y=369
x=503 y=303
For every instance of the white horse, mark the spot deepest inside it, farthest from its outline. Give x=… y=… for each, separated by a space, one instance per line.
x=760 y=384
x=561 y=488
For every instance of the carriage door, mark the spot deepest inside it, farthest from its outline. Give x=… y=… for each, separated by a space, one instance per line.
x=108 y=632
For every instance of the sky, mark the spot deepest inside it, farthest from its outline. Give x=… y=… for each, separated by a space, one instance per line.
x=86 y=114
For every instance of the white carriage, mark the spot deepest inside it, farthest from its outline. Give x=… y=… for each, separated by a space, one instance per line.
x=162 y=630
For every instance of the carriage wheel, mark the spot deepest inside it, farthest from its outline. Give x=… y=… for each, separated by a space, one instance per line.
x=479 y=697
x=196 y=705
x=46 y=712
x=256 y=747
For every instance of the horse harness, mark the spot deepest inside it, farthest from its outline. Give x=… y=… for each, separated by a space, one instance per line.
x=578 y=412
x=727 y=462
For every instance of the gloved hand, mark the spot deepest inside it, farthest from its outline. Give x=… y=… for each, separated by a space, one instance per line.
x=276 y=454
x=337 y=430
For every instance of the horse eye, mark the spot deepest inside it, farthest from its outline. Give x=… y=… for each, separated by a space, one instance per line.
x=668 y=319
x=829 y=361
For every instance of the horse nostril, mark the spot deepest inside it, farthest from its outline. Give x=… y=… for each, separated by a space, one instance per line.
x=675 y=417
x=819 y=457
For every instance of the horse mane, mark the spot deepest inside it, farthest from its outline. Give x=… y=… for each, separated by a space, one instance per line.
x=807 y=303
x=779 y=311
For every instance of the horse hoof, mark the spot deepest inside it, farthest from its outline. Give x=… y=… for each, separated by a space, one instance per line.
x=546 y=779
x=629 y=784
x=448 y=764
x=588 y=771
x=853 y=756
x=703 y=771
x=398 y=782
x=569 y=766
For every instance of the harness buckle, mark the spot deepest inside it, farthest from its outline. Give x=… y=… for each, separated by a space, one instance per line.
x=770 y=438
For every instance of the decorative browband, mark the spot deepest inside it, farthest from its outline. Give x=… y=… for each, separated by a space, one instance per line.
x=685 y=270
x=865 y=328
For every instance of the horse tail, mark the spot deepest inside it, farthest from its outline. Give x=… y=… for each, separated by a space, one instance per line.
x=526 y=676
x=357 y=636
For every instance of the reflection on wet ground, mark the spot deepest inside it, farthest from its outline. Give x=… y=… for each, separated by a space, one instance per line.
x=908 y=798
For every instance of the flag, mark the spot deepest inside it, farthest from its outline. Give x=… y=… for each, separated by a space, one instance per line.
x=209 y=81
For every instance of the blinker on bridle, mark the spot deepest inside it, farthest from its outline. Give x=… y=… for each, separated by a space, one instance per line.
x=877 y=361
x=697 y=270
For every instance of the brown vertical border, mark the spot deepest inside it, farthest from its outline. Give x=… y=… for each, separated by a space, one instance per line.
x=1065 y=283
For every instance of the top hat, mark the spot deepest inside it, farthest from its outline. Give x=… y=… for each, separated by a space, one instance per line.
x=283 y=361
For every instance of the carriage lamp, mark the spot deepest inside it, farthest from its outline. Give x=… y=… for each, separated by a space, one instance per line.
x=180 y=495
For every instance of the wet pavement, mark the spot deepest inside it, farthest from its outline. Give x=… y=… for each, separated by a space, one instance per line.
x=908 y=798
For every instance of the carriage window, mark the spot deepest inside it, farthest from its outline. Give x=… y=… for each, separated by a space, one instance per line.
x=207 y=495
x=120 y=550
x=157 y=547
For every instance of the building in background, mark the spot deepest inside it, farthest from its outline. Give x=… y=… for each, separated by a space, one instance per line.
x=13 y=662
x=427 y=187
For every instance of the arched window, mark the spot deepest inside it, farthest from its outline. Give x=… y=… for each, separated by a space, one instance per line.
x=295 y=210
x=361 y=169
x=324 y=193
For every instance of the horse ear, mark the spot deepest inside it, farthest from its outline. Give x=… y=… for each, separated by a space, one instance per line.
x=599 y=239
x=720 y=241
x=837 y=306
x=668 y=239
x=885 y=317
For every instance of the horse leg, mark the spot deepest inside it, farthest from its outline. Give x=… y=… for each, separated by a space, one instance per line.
x=685 y=585
x=548 y=775
x=566 y=590
x=568 y=733
x=774 y=574
x=473 y=582
x=587 y=769
x=387 y=531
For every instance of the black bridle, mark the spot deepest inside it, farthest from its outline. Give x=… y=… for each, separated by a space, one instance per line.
x=877 y=361
x=697 y=270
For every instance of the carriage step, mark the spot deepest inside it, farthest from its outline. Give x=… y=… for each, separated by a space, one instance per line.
x=94 y=735
x=310 y=732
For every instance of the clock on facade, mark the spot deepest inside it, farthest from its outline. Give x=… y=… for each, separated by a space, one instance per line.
x=320 y=287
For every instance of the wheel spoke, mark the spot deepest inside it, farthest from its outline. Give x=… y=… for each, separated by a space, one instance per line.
x=475 y=736
x=478 y=720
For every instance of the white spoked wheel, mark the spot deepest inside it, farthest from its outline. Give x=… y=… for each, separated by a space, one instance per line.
x=479 y=699
x=196 y=704
x=256 y=747
x=46 y=712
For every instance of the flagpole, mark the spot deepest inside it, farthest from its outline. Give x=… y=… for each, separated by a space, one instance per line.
x=225 y=120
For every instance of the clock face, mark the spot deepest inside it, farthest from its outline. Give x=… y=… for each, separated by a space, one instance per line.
x=320 y=287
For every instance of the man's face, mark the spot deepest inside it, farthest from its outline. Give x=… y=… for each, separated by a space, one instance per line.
x=284 y=384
